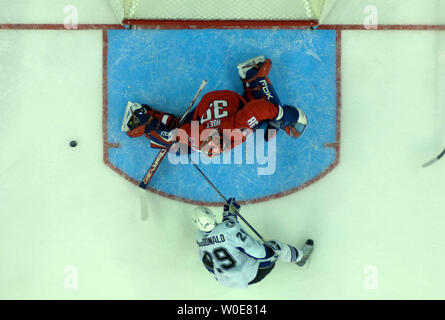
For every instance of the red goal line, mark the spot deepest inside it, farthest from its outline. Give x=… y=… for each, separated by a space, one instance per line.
x=219 y=24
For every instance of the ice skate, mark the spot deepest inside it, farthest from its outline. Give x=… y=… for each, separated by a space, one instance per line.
x=307 y=251
x=254 y=67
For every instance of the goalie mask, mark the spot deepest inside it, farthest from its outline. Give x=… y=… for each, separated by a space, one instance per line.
x=204 y=219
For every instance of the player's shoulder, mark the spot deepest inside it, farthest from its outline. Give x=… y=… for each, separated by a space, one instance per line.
x=228 y=226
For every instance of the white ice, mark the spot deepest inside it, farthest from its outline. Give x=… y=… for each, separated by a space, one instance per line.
x=377 y=219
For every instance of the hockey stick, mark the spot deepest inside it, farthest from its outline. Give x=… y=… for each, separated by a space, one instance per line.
x=161 y=155
x=426 y=164
x=224 y=198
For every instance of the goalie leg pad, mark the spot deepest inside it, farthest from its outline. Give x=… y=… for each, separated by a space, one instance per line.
x=261 y=88
x=251 y=68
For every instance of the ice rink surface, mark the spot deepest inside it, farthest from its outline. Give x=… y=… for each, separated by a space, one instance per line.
x=377 y=219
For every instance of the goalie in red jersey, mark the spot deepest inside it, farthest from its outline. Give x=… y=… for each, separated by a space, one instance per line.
x=222 y=119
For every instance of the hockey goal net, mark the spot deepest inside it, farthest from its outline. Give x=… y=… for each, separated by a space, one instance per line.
x=219 y=13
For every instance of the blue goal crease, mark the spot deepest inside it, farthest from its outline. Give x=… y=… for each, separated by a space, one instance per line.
x=164 y=68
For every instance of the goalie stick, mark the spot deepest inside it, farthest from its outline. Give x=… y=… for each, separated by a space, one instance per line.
x=426 y=164
x=161 y=155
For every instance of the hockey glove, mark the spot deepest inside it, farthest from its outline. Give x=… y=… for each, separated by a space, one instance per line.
x=232 y=206
x=230 y=210
x=292 y=120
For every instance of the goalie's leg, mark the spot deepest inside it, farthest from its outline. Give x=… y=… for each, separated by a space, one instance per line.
x=249 y=68
x=256 y=84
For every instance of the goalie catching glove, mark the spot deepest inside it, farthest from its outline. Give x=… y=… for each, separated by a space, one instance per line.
x=142 y=119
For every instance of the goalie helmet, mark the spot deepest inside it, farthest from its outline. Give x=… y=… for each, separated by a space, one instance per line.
x=204 y=219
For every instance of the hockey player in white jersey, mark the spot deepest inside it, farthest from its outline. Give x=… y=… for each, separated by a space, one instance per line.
x=236 y=259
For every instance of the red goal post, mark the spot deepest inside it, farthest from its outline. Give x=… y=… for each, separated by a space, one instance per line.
x=219 y=13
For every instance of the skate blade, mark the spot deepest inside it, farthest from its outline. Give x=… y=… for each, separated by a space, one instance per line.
x=307 y=261
x=305 y=265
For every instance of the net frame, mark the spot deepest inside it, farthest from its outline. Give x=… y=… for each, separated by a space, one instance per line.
x=218 y=13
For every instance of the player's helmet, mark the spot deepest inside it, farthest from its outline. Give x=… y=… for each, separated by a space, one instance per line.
x=204 y=219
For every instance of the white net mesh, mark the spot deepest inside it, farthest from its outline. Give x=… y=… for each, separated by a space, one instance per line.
x=124 y=9
x=218 y=9
x=313 y=8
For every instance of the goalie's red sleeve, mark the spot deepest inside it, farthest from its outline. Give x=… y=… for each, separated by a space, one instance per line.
x=251 y=115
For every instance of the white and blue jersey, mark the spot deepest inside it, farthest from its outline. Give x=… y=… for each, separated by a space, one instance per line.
x=230 y=253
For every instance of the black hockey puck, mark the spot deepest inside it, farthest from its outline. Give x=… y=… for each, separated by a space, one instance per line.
x=73 y=143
